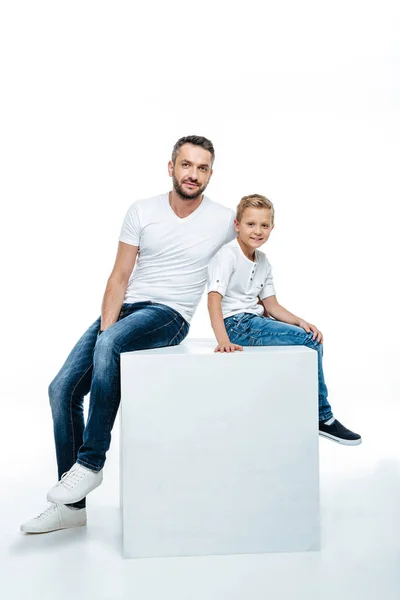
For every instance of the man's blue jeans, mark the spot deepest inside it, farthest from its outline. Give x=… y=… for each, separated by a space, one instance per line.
x=94 y=365
x=247 y=329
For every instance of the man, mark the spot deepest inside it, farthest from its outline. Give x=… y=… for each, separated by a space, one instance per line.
x=169 y=239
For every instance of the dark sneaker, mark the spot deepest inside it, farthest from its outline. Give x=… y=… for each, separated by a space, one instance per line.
x=338 y=433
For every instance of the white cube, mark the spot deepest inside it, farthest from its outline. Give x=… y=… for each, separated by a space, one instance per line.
x=219 y=452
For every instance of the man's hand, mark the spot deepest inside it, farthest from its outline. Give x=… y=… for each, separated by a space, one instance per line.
x=310 y=327
x=228 y=347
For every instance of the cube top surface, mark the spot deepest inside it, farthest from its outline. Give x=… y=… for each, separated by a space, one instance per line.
x=206 y=346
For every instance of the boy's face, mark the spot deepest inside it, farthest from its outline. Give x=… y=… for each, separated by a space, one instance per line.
x=255 y=227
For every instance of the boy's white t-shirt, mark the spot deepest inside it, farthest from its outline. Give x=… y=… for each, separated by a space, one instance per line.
x=171 y=267
x=239 y=280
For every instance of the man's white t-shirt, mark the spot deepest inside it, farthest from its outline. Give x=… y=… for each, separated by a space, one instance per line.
x=239 y=280
x=171 y=267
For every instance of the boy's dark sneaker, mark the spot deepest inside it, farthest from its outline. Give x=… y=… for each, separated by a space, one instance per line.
x=338 y=433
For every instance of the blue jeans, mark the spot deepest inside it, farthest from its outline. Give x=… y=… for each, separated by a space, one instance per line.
x=246 y=329
x=94 y=365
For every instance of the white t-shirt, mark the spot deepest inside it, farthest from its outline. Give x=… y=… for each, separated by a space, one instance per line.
x=171 y=267
x=240 y=280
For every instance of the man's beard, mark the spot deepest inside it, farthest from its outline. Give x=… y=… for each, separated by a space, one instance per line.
x=187 y=195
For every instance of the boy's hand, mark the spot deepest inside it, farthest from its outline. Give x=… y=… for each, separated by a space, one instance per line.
x=310 y=327
x=228 y=347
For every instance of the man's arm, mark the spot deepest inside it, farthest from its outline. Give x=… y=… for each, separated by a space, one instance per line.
x=117 y=284
x=218 y=325
x=279 y=313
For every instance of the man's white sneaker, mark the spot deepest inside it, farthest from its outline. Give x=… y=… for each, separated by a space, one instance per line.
x=75 y=485
x=55 y=517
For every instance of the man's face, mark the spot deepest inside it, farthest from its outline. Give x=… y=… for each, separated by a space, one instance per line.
x=191 y=171
x=255 y=227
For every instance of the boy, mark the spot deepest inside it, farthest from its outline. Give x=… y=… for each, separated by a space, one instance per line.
x=240 y=274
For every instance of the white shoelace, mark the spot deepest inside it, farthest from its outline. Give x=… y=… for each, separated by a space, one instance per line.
x=71 y=478
x=47 y=512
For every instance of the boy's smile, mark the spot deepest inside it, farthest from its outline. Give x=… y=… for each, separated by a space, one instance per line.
x=254 y=229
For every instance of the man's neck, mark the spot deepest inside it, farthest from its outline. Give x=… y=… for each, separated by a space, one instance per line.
x=183 y=208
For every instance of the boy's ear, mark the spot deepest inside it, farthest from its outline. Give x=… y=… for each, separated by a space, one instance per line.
x=236 y=223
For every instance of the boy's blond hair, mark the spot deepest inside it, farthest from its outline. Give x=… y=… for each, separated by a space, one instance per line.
x=254 y=201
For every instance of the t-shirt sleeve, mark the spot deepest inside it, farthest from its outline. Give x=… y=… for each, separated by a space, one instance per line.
x=268 y=287
x=130 y=230
x=231 y=232
x=220 y=270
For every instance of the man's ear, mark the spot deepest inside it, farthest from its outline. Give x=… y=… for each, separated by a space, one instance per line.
x=170 y=168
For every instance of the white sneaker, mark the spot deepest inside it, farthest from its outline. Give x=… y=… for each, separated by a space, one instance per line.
x=55 y=517
x=74 y=485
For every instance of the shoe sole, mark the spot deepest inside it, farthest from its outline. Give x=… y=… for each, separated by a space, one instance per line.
x=340 y=440
x=50 y=530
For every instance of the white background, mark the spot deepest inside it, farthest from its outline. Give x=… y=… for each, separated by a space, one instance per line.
x=301 y=100
x=302 y=103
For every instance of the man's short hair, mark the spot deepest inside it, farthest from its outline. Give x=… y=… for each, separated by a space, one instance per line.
x=254 y=201
x=196 y=140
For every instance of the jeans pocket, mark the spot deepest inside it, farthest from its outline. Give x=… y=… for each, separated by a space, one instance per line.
x=126 y=309
x=238 y=337
x=242 y=324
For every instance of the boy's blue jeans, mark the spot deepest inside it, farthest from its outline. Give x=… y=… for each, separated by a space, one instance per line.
x=93 y=365
x=247 y=329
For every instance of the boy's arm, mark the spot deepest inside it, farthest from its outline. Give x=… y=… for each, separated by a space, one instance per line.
x=218 y=325
x=279 y=313
x=260 y=302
